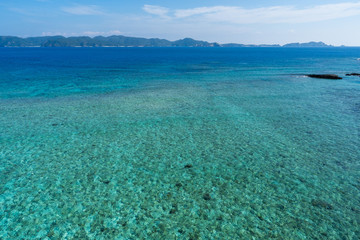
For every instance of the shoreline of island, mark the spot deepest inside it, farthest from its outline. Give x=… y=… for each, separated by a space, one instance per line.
x=124 y=41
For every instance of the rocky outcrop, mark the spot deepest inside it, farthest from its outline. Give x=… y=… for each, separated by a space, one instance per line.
x=324 y=76
x=353 y=74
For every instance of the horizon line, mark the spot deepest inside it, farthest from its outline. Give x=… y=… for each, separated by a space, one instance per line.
x=119 y=35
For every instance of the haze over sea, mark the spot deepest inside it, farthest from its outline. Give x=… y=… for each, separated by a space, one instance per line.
x=179 y=143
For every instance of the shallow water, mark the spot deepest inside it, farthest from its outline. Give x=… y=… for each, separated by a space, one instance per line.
x=179 y=144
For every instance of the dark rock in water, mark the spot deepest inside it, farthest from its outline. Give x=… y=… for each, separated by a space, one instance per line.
x=124 y=224
x=280 y=206
x=173 y=209
x=322 y=204
x=178 y=185
x=324 y=76
x=353 y=74
x=207 y=197
x=188 y=166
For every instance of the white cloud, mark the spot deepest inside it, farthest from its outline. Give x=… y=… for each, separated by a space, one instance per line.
x=83 y=10
x=109 y=33
x=86 y=33
x=183 y=13
x=156 y=10
x=275 y=14
x=44 y=34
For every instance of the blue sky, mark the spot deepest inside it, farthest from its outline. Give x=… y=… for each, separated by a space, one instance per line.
x=259 y=21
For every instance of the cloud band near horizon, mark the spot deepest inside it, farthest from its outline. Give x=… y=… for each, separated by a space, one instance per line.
x=83 y=10
x=274 y=14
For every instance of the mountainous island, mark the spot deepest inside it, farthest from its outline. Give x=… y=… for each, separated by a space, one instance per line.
x=123 y=41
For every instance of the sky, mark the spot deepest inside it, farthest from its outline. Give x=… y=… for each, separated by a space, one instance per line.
x=227 y=21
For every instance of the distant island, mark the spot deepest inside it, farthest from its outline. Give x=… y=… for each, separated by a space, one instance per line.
x=123 y=41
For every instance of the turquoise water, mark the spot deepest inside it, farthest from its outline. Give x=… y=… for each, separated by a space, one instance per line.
x=179 y=143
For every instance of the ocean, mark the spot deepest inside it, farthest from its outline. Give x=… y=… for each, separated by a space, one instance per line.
x=179 y=143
